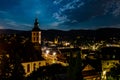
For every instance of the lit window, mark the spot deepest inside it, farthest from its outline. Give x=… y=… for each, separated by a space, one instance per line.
x=113 y=56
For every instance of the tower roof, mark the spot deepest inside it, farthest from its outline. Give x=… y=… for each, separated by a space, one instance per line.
x=36 y=25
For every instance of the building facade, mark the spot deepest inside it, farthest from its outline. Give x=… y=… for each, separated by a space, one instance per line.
x=31 y=66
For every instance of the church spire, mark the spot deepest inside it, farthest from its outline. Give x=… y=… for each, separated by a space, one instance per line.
x=36 y=33
x=36 y=25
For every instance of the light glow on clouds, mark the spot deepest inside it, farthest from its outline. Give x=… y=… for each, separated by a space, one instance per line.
x=112 y=7
x=57 y=2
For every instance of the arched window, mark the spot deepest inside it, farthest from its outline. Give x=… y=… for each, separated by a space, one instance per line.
x=28 y=67
x=37 y=38
x=39 y=64
x=34 y=66
x=34 y=39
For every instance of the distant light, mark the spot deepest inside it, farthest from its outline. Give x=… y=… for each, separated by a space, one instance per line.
x=67 y=43
x=47 y=51
x=104 y=75
x=54 y=53
x=104 y=72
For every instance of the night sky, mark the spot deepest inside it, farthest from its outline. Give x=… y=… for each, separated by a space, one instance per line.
x=59 y=14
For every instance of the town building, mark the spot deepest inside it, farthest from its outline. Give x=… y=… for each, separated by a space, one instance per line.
x=109 y=57
x=31 y=66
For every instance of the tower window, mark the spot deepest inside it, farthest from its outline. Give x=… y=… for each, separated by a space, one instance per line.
x=39 y=64
x=34 y=38
x=37 y=38
x=37 y=34
x=113 y=62
x=34 y=34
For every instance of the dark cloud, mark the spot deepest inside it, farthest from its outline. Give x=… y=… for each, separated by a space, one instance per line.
x=91 y=13
x=7 y=4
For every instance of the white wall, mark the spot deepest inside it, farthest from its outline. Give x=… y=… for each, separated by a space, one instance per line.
x=35 y=64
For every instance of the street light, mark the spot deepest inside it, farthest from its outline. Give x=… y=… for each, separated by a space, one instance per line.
x=104 y=75
x=54 y=53
x=54 y=57
x=47 y=52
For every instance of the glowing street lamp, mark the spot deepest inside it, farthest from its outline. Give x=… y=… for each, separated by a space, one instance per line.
x=54 y=53
x=47 y=52
x=104 y=75
x=54 y=57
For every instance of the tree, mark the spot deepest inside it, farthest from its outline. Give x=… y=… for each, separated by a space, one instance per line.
x=11 y=68
x=75 y=66
x=115 y=71
x=18 y=72
x=5 y=68
x=78 y=67
x=50 y=72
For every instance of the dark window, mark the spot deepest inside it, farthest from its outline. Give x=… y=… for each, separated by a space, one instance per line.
x=39 y=64
x=47 y=64
x=34 y=38
x=37 y=38
x=34 y=34
x=34 y=66
x=107 y=63
x=113 y=62
x=28 y=68
x=37 y=34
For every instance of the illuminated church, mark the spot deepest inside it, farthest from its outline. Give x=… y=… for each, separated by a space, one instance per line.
x=36 y=35
x=36 y=40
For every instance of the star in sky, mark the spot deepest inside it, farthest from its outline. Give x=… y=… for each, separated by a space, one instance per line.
x=59 y=14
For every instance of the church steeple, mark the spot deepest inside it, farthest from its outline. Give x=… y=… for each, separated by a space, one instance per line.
x=36 y=25
x=36 y=33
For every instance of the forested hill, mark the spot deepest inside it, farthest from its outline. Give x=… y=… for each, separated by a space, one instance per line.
x=102 y=33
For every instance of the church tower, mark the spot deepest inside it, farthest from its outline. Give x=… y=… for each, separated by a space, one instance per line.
x=36 y=33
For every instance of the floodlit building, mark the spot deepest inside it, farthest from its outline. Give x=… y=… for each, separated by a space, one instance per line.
x=32 y=65
x=36 y=33
x=109 y=56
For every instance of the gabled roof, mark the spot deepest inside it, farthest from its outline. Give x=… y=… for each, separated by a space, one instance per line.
x=88 y=67
x=92 y=64
x=89 y=70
